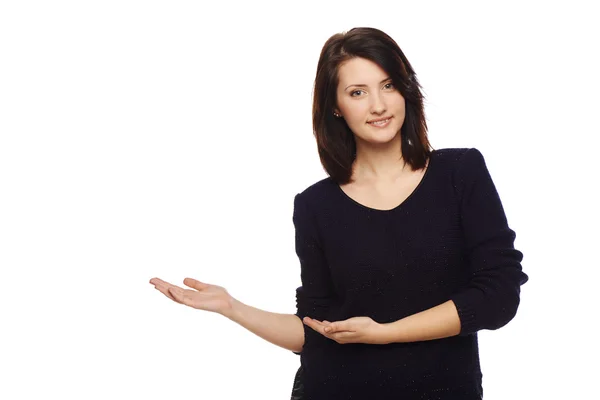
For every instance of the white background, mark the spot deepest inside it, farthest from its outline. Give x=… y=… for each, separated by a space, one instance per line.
x=168 y=138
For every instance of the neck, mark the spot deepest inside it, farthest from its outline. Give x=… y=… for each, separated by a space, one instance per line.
x=379 y=163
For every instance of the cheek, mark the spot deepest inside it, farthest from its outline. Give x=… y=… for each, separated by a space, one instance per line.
x=356 y=112
x=400 y=103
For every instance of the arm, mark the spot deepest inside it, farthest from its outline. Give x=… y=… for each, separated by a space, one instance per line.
x=283 y=330
x=492 y=297
x=435 y=323
x=312 y=298
x=315 y=296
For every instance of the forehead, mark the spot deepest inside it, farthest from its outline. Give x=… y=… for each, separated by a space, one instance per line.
x=360 y=71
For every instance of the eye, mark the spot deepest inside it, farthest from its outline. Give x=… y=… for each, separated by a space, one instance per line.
x=354 y=91
x=389 y=85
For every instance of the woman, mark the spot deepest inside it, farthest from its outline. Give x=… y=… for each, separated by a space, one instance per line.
x=405 y=251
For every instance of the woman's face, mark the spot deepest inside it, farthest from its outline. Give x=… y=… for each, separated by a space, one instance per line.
x=365 y=93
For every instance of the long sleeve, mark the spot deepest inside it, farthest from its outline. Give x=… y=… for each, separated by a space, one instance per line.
x=493 y=295
x=314 y=297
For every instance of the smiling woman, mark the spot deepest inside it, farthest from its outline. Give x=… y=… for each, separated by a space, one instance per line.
x=405 y=252
x=364 y=78
x=374 y=112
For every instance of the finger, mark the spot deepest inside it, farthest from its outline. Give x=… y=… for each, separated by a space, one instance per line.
x=321 y=329
x=343 y=336
x=163 y=287
x=178 y=295
x=183 y=296
x=314 y=325
x=331 y=327
x=164 y=290
x=177 y=292
x=156 y=281
x=161 y=284
x=195 y=284
x=314 y=321
x=338 y=327
x=160 y=281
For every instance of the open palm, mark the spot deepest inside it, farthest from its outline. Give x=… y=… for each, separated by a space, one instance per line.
x=202 y=296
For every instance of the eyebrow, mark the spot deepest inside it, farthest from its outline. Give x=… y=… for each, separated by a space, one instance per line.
x=363 y=85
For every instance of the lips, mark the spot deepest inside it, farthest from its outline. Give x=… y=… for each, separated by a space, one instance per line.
x=380 y=123
x=378 y=120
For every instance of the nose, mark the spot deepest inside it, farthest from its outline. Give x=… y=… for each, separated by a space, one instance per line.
x=377 y=104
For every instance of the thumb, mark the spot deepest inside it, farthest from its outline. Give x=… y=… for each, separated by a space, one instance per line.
x=339 y=326
x=195 y=284
x=332 y=327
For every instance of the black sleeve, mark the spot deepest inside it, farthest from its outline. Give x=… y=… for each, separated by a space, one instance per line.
x=493 y=295
x=314 y=297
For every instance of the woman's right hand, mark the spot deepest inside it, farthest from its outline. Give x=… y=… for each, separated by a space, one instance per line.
x=202 y=296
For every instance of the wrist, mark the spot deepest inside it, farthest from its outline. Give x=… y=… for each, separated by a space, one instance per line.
x=232 y=309
x=390 y=332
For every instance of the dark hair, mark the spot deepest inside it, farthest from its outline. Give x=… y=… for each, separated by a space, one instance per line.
x=335 y=140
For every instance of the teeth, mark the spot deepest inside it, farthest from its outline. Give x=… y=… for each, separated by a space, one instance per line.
x=380 y=122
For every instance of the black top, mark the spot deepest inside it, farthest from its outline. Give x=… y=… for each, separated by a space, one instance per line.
x=448 y=240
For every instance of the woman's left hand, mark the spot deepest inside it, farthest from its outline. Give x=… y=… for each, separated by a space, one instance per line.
x=353 y=330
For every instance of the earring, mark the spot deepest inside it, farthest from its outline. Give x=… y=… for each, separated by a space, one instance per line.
x=336 y=114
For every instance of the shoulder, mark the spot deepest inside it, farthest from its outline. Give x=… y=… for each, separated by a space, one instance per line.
x=469 y=171
x=452 y=154
x=460 y=160
x=308 y=203
x=461 y=165
x=316 y=192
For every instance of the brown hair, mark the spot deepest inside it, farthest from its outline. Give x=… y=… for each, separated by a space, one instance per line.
x=335 y=140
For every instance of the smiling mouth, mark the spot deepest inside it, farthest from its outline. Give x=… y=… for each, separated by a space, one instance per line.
x=380 y=122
